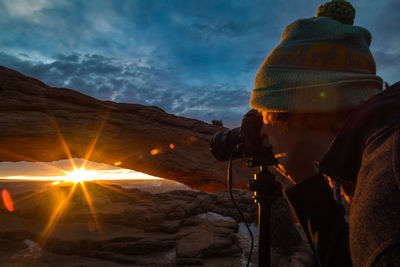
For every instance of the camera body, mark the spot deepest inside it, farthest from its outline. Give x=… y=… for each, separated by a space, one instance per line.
x=243 y=142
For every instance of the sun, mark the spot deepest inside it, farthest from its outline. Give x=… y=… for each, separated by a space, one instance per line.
x=79 y=176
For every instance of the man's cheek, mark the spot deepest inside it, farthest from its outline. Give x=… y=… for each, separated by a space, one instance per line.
x=276 y=137
x=279 y=143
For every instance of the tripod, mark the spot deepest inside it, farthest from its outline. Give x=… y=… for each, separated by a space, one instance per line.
x=266 y=190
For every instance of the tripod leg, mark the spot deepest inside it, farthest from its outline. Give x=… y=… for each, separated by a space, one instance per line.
x=264 y=236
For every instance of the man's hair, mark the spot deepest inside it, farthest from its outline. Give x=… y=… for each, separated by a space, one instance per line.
x=319 y=121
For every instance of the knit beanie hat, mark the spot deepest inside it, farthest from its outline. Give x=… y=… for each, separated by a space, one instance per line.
x=321 y=64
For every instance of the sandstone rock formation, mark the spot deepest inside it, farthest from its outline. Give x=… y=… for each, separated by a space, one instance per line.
x=131 y=227
x=42 y=123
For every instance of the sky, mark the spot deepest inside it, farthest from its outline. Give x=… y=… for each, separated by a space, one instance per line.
x=192 y=58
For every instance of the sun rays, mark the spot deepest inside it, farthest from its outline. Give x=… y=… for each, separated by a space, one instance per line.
x=55 y=217
x=63 y=187
x=72 y=181
x=92 y=210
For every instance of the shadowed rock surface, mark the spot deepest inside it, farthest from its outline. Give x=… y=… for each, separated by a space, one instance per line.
x=43 y=123
x=131 y=227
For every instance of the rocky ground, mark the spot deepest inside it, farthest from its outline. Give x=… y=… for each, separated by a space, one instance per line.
x=131 y=227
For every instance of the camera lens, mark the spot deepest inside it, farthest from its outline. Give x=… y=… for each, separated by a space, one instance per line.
x=247 y=141
x=223 y=143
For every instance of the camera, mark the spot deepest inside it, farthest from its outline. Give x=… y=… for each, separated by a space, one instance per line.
x=246 y=142
x=243 y=142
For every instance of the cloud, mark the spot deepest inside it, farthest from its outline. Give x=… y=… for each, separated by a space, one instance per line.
x=217 y=30
x=25 y=8
x=192 y=58
x=387 y=64
x=136 y=82
x=67 y=58
x=228 y=104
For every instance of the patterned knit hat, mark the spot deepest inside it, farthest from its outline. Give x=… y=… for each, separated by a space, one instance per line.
x=321 y=64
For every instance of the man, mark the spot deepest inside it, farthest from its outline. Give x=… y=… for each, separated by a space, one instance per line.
x=327 y=118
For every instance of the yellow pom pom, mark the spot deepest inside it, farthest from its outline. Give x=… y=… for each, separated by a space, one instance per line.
x=340 y=10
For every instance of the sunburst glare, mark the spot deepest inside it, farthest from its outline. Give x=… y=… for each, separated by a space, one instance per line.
x=91 y=172
x=60 y=178
x=79 y=175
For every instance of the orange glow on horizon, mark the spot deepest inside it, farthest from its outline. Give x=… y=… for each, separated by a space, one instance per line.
x=8 y=203
x=117 y=163
x=80 y=175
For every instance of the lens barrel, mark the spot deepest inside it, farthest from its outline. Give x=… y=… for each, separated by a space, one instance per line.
x=246 y=139
x=223 y=143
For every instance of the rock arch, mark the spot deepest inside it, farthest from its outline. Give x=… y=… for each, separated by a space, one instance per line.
x=43 y=123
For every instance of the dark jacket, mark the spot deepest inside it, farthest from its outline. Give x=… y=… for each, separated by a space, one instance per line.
x=365 y=157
